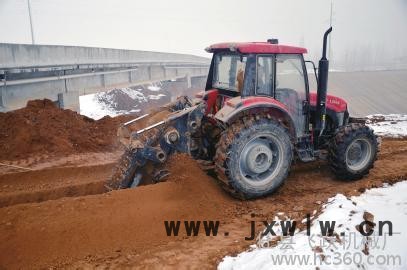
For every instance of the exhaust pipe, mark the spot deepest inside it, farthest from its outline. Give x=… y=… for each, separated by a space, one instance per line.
x=323 y=70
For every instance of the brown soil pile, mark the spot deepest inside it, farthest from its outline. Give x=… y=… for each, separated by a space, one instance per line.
x=43 y=128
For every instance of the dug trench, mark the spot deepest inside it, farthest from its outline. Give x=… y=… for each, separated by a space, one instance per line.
x=52 y=183
x=48 y=153
x=125 y=228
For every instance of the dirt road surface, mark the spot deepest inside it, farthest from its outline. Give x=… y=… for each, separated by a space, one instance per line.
x=60 y=215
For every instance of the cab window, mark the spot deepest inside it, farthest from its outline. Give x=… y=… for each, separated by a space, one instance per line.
x=229 y=72
x=264 y=84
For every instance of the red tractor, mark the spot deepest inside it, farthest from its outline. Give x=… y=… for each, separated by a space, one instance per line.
x=255 y=116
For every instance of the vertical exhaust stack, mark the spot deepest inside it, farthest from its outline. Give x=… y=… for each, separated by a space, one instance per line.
x=323 y=70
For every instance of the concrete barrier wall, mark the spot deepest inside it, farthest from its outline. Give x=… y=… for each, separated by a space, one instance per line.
x=25 y=56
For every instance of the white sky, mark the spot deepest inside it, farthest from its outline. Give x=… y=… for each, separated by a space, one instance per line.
x=188 y=26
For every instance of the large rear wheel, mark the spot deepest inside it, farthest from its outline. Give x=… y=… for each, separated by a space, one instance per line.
x=253 y=157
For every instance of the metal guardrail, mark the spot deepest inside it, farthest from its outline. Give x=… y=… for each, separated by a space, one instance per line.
x=4 y=81
x=169 y=64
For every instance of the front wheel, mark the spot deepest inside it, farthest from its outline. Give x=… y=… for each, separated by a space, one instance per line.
x=353 y=151
x=253 y=157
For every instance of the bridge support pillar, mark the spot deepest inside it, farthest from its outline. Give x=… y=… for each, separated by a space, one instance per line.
x=69 y=100
x=188 y=80
x=2 y=101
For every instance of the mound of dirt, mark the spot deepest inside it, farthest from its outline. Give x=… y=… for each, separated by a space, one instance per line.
x=43 y=128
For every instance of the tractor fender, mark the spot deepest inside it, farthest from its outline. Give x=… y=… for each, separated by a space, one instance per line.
x=238 y=106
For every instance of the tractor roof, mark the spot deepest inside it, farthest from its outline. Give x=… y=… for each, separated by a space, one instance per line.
x=255 y=47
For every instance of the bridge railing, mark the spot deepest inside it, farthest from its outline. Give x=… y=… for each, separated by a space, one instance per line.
x=47 y=71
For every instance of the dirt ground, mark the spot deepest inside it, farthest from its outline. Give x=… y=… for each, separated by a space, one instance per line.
x=60 y=215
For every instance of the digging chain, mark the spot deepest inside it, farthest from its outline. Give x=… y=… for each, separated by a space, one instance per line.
x=128 y=164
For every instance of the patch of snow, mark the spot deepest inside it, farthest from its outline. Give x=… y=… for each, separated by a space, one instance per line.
x=90 y=106
x=135 y=111
x=388 y=204
x=154 y=88
x=135 y=94
x=347 y=248
x=101 y=104
x=391 y=125
x=155 y=97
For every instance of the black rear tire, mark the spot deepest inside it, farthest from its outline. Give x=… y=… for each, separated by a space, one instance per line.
x=253 y=157
x=353 y=151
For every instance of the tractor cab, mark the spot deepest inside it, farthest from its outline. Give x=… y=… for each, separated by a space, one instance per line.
x=261 y=72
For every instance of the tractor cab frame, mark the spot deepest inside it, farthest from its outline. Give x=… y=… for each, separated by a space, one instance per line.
x=278 y=79
x=257 y=77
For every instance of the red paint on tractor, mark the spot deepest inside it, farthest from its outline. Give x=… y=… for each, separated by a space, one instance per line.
x=257 y=47
x=211 y=97
x=252 y=101
x=334 y=103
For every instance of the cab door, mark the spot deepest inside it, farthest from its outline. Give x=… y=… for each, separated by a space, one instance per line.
x=291 y=88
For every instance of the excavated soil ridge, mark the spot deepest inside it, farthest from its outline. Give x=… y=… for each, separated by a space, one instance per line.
x=43 y=128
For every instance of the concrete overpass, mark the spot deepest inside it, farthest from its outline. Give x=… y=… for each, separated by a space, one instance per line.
x=63 y=73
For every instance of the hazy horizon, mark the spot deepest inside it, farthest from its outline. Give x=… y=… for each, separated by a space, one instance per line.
x=367 y=33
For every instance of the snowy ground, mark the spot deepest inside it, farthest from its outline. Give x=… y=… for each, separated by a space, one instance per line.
x=119 y=101
x=90 y=106
x=347 y=248
x=391 y=125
